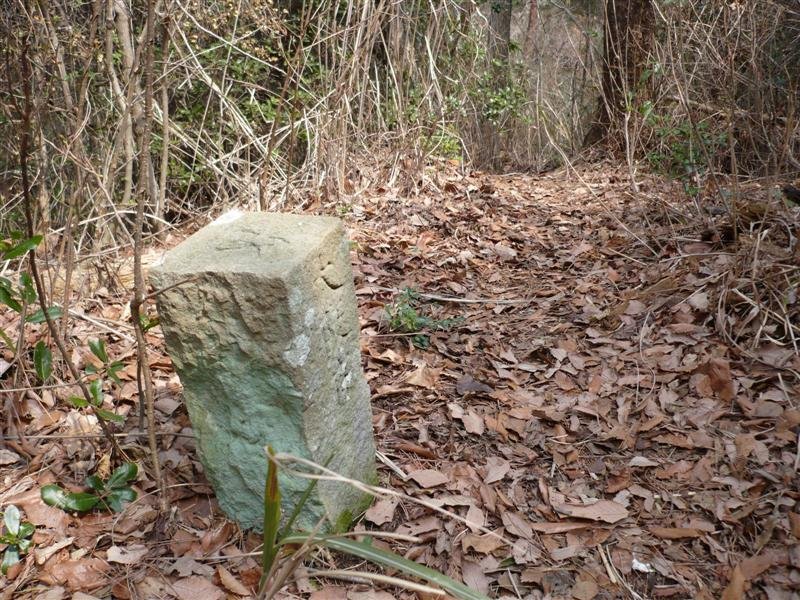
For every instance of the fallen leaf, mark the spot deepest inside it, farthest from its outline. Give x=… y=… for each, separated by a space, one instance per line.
x=674 y=533
x=196 y=587
x=428 y=478
x=231 y=583
x=127 y=555
x=382 y=511
x=736 y=586
x=607 y=511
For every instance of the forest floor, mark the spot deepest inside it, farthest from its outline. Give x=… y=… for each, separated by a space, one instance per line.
x=605 y=379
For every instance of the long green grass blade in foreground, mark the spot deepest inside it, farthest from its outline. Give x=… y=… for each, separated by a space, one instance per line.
x=272 y=515
x=387 y=559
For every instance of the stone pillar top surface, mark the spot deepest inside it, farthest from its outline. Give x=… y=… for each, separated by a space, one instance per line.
x=269 y=244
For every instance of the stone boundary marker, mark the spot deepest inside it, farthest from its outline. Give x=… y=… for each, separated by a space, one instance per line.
x=265 y=341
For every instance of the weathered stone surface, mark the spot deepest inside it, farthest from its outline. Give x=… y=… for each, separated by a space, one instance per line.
x=265 y=341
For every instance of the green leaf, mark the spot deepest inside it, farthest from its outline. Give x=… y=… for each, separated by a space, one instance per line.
x=78 y=402
x=22 y=248
x=27 y=290
x=7 y=298
x=54 y=312
x=42 y=361
x=26 y=529
x=11 y=520
x=96 y=390
x=98 y=348
x=10 y=558
x=117 y=498
x=390 y=560
x=112 y=371
x=272 y=514
x=23 y=545
x=8 y=341
x=122 y=475
x=53 y=495
x=108 y=415
x=95 y=483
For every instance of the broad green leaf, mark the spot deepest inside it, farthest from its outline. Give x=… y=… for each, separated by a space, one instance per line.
x=26 y=288
x=10 y=558
x=7 y=298
x=54 y=312
x=23 y=545
x=26 y=529
x=95 y=483
x=108 y=415
x=113 y=369
x=8 y=341
x=392 y=561
x=96 y=390
x=42 y=361
x=122 y=475
x=272 y=514
x=22 y=248
x=98 y=348
x=11 y=520
x=54 y=495
x=78 y=402
x=117 y=498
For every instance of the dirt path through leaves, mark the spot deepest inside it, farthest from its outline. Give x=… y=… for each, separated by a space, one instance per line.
x=582 y=380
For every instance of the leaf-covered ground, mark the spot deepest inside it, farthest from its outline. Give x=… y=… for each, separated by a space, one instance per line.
x=607 y=381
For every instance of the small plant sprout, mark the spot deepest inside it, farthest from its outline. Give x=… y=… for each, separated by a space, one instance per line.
x=16 y=535
x=106 y=495
x=405 y=317
x=109 y=368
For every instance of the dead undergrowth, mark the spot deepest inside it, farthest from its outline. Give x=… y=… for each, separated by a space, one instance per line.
x=619 y=399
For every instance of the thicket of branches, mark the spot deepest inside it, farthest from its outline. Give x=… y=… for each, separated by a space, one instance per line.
x=257 y=103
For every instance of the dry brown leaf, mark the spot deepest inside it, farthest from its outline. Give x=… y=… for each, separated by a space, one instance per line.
x=674 y=533
x=607 y=511
x=559 y=527
x=196 y=587
x=230 y=582
x=736 y=586
x=428 y=478
x=126 y=555
x=485 y=544
x=81 y=574
x=382 y=511
x=329 y=592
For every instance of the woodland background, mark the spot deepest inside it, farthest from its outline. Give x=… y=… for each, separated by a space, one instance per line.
x=597 y=181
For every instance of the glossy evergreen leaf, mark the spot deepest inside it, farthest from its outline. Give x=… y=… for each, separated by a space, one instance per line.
x=22 y=248
x=96 y=390
x=95 y=483
x=7 y=298
x=98 y=348
x=42 y=361
x=53 y=495
x=117 y=498
x=112 y=371
x=122 y=475
x=27 y=291
x=109 y=416
x=10 y=558
x=26 y=529
x=11 y=520
x=54 y=312
x=78 y=402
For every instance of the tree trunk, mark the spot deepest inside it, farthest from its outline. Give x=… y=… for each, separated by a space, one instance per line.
x=530 y=33
x=628 y=39
x=499 y=29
